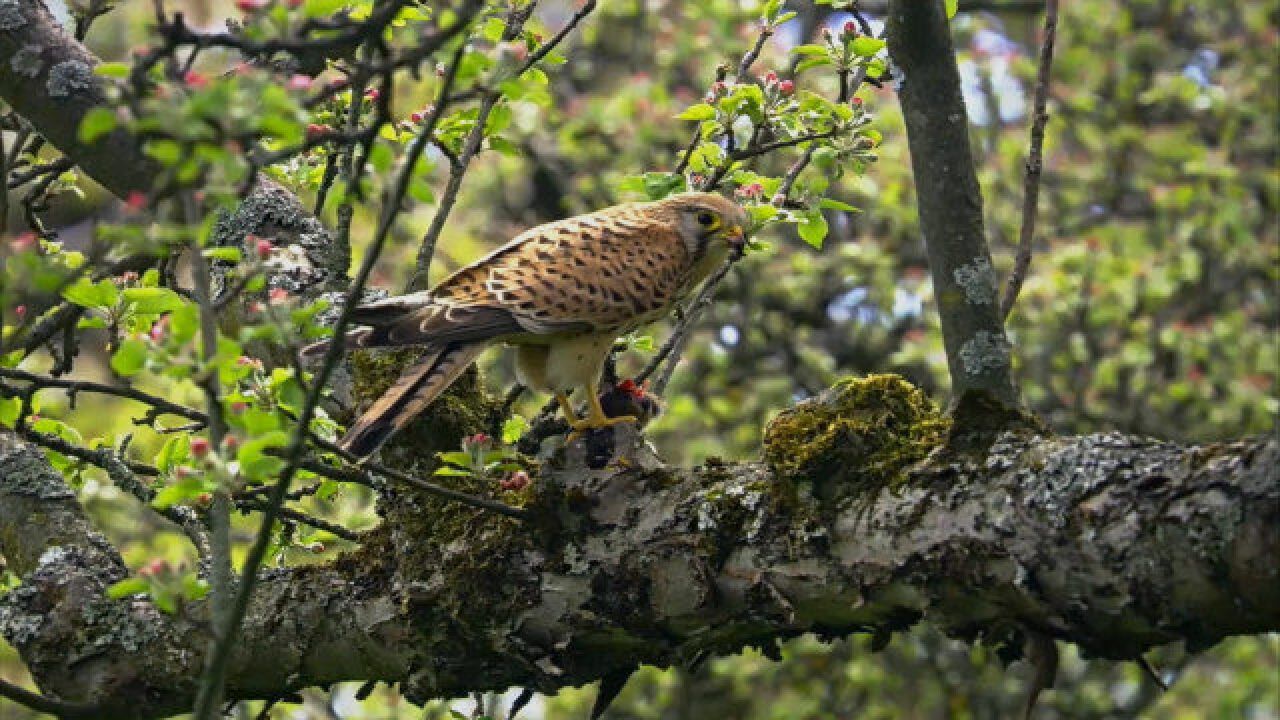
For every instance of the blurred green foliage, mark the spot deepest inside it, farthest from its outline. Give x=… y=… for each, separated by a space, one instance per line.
x=1151 y=305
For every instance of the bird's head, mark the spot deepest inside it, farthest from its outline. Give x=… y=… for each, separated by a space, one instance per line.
x=710 y=225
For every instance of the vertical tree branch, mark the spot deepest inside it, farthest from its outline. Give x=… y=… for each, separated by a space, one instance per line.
x=1031 y=176
x=220 y=582
x=949 y=200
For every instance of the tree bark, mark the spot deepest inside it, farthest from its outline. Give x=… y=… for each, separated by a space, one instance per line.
x=949 y=201
x=1113 y=542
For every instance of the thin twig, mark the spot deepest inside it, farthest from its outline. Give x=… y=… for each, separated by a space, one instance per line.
x=368 y=469
x=76 y=386
x=219 y=513
x=1035 y=163
x=559 y=37
x=46 y=704
x=458 y=165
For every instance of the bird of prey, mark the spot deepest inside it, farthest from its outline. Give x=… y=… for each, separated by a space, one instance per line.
x=561 y=293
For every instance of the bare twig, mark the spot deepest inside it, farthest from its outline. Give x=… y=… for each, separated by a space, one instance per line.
x=76 y=386
x=1031 y=181
x=45 y=704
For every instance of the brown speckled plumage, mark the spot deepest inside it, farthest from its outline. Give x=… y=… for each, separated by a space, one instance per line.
x=561 y=291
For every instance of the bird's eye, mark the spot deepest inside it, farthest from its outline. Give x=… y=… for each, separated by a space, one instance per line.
x=706 y=219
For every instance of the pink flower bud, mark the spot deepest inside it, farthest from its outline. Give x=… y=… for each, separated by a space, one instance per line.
x=299 y=82
x=200 y=446
x=25 y=241
x=278 y=296
x=786 y=87
x=136 y=201
x=771 y=78
x=850 y=28
x=195 y=80
x=264 y=248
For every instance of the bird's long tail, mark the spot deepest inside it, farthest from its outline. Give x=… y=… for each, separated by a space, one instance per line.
x=419 y=384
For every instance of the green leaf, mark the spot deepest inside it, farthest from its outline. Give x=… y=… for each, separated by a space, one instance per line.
x=812 y=62
x=660 y=185
x=451 y=471
x=166 y=152
x=952 y=6
x=9 y=409
x=193 y=588
x=184 y=323
x=813 y=228
x=493 y=29
x=701 y=111
x=97 y=122
x=830 y=204
x=86 y=293
x=321 y=8
x=866 y=46
x=112 y=69
x=129 y=358
x=810 y=50
x=256 y=463
x=513 y=427
x=174 y=452
x=499 y=119
x=456 y=457
x=91 y=322
x=225 y=254
x=152 y=300
x=128 y=586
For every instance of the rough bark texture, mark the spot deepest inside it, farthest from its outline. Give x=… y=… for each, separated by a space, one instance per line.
x=1113 y=542
x=949 y=200
x=47 y=77
x=858 y=520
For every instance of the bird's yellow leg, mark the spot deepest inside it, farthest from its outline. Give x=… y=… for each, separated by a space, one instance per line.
x=566 y=407
x=595 y=415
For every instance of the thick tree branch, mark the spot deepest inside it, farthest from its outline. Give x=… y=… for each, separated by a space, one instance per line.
x=1113 y=542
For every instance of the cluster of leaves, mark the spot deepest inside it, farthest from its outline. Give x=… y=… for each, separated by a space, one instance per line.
x=486 y=459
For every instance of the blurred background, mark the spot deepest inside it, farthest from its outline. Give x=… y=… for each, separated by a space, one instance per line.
x=1151 y=306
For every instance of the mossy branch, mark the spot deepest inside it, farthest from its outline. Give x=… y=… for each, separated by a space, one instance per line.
x=861 y=519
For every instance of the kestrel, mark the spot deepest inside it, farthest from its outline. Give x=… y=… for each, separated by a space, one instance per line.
x=562 y=293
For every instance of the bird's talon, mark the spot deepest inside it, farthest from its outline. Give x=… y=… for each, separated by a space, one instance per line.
x=580 y=427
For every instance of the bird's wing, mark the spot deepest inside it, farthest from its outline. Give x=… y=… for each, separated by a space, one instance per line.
x=589 y=273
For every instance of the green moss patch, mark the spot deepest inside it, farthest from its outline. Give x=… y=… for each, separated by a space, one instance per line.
x=858 y=436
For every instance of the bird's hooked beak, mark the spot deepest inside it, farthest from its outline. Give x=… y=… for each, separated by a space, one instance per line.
x=736 y=237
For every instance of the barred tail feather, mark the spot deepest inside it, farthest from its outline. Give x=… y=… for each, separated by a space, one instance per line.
x=358 y=338
x=412 y=392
